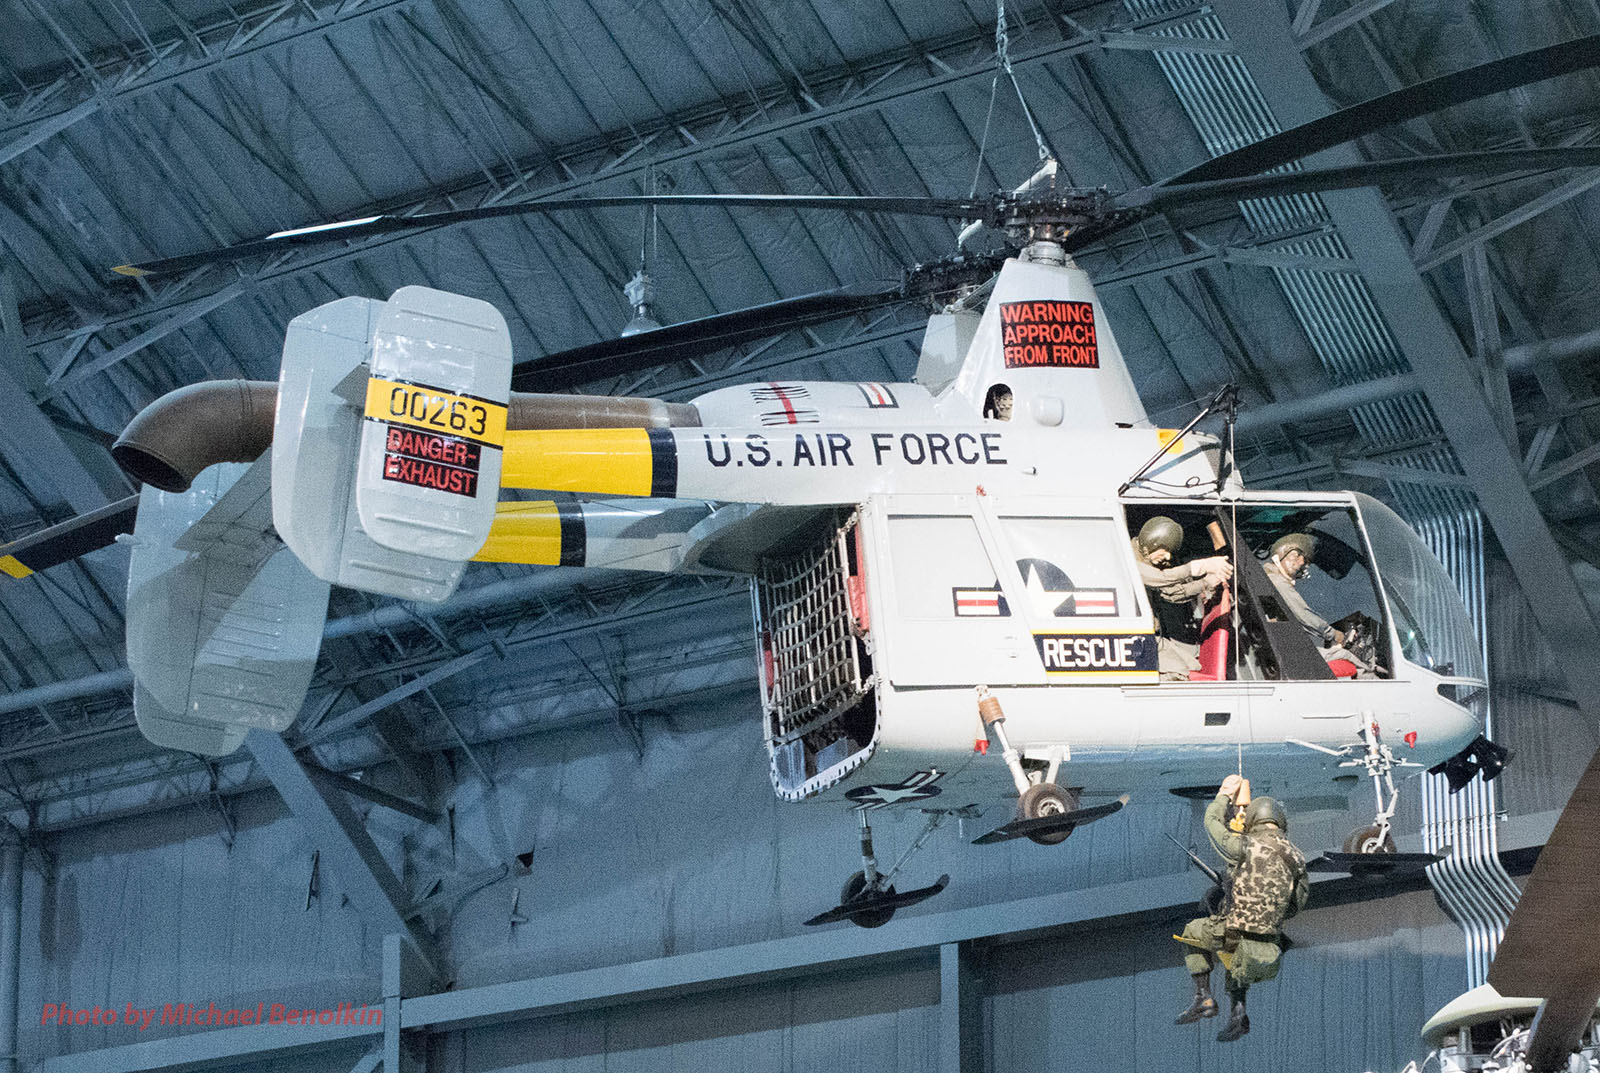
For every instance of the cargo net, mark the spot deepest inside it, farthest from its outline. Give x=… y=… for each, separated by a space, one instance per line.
x=811 y=612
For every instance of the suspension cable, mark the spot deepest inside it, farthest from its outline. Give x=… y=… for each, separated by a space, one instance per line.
x=1002 y=49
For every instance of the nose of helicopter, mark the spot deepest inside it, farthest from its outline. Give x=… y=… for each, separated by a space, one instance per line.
x=1448 y=727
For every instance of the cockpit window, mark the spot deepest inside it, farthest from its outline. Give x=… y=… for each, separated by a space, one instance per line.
x=1430 y=618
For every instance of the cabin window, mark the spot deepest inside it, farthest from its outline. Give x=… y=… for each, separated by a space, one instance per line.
x=941 y=569
x=1072 y=567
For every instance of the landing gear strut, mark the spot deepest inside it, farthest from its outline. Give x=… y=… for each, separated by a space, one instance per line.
x=1369 y=852
x=869 y=899
x=1046 y=812
x=1379 y=761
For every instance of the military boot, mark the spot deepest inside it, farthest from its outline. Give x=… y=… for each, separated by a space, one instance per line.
x=1238 y=1021
x=1203 y=1005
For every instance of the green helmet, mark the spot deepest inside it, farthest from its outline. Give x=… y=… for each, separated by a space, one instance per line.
x=1262 y=810
x=1161 y=532
x=1300 y=542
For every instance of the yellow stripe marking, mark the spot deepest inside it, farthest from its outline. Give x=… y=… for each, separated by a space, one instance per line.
x=1169 y=438
x=523 y=532
x=435 y=410
x=10 y=564
x=1090 y=631
x=1126 y=676
x=600 y=461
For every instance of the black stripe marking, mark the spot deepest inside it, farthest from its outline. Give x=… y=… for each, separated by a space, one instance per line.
x=574 y=534
x=75 y=537
x=663 y=464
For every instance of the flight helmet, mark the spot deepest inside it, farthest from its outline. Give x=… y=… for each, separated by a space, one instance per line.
x=1301 y=542
x=1264 y=810
x=1296 y=542
x=1161 y=532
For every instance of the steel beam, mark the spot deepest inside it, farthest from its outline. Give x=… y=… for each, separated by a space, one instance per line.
x=155 y=67
x=345 y=720
x=186 y=315
x=222 y=1049
x=30 y=441
x=1260 y=29
x=338 y=832
x=1405 y=474
x=960 y=1012
x=1362 y=9
x=860 y=88
x=332 y=780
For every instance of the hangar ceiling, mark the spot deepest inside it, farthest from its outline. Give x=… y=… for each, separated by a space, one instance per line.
x=146 y=129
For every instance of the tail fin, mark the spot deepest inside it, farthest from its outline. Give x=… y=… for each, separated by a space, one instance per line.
x=224 y=623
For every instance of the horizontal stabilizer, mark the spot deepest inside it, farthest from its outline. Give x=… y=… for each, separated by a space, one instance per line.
x=224 y=623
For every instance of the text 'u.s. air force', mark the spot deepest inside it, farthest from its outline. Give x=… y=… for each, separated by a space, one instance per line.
x=820 y=449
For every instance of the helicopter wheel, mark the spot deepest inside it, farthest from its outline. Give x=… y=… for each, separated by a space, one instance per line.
x=1365 y=840
x=1047 y=799
x=867 y=918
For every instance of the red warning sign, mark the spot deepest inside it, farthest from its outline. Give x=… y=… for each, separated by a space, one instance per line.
x=429 y=461
x=1049 y=334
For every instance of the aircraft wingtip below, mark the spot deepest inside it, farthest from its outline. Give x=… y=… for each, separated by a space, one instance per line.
x=129 y=270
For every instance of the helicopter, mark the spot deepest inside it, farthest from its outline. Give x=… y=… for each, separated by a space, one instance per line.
x=931 y=576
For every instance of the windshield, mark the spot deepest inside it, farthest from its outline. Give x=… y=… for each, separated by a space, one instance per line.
x=1429 y=616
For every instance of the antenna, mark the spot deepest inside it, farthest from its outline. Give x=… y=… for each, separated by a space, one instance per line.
x=1226 y=399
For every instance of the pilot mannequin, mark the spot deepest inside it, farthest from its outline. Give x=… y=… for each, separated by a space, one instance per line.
x=1289 y=561
x=1174 y=590
x=1267 y=883
x=999 y=403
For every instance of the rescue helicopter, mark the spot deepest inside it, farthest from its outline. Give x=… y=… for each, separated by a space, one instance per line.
x=933 y=572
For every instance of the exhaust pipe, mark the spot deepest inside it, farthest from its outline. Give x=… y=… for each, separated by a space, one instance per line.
x=170 y=441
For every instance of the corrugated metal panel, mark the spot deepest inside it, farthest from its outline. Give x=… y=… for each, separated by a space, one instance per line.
x=885 y=1021
x=1351 y=995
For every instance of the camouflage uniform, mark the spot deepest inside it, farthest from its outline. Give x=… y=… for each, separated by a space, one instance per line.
x=1268 y=875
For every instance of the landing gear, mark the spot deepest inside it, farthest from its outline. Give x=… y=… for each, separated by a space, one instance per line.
x=1367 y=840
x=1380 y=762
x=855 y=890
x=1046 y=812
x=1046 y=799
x=869 y=898
x=1369 y=852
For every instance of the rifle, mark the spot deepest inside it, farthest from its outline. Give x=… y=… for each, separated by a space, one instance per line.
x=1195 y=857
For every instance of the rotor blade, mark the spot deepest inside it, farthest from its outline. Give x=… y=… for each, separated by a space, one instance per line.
x=69 y=539
x=693 y=338
x=368 y=226
x=1361 y=119
x=1367 y=173
x=1551 y=948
